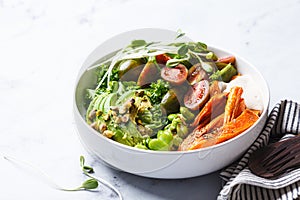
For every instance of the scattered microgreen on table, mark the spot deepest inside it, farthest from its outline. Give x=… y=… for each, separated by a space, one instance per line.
x=88 y=185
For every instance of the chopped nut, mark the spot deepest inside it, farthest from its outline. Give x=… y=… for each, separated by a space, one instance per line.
x=113 y=113
x=125 y=118
x=92 y=115
x=117 y=120
x=114 y=108
x=106 y=117
x=108 y=133
x=94 y=125
x=144 y=130
x=122 y=110
x=139 y=93
x=102 y=127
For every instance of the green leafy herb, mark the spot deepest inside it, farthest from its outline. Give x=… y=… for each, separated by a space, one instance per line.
x=137 y=43
x=157 y=90
x=105 y=87
x=183 y=50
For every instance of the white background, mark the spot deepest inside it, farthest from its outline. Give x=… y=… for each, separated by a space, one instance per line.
x=44 y=43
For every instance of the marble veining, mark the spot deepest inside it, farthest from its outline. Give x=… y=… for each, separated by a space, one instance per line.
x=43 y=45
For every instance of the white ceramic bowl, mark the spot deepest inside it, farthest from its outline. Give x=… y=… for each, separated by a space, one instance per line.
x=160 y=164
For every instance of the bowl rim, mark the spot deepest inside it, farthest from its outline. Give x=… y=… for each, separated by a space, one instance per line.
x=216 y=146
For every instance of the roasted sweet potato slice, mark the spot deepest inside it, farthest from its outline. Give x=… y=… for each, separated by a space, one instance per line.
x=237 y=126
x=214 y=107
x=214 y=88
x=194 y=139
x=244 y=121
x=232 y=105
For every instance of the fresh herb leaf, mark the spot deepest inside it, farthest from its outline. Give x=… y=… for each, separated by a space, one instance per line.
x=182 y=51
x=201 y=45
x=175 y=61
x=104 y=87
x=157 y=90
x=138 y=43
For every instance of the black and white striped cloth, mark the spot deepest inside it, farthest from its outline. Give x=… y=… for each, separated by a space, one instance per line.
x=240 y=183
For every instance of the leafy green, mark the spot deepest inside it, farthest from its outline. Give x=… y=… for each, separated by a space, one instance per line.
x=183 y=50
x=157 y=90
x=137 y=43
x=100 y=73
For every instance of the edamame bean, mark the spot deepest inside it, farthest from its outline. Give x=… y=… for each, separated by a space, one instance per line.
x=187 y=114
x=165 y=136
x=157 y=144
x=141 y=146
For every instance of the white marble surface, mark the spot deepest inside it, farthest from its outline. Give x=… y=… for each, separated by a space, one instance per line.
x=44 y=43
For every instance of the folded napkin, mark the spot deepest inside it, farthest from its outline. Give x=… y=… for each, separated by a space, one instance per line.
x=240 y=183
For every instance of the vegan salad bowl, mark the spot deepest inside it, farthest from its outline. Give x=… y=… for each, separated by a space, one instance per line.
x=154 y=103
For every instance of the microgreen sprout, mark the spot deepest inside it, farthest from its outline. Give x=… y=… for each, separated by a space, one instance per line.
x=87 y=170
x=179 y=34
x=89 y=184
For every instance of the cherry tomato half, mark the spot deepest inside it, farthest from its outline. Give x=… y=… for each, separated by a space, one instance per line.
x=197 y=95
x=176 y=75
x=227 y=60
x=149 y=74
x=196 y=74
x=162 y=58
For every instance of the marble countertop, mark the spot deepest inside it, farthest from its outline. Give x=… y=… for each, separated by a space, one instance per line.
x=43 y=44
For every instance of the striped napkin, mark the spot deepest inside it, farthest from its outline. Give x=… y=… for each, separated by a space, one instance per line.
x=240 y=183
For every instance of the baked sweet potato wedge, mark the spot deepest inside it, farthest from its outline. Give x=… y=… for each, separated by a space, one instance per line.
x=230 y=130
x=214 y=107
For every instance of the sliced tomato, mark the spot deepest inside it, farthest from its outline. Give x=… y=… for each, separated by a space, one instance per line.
x=197 y=95
x=149 y=74
x=227 y=59
x=162 y=58
x=196 y=74
x=176 y=75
